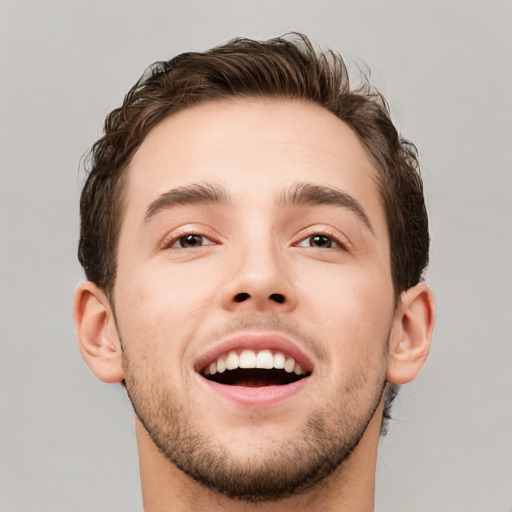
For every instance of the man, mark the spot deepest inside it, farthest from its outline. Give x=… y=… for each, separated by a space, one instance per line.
x=254 y=236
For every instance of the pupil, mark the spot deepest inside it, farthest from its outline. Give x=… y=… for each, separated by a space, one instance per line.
x=190 y=240
x=321 y=241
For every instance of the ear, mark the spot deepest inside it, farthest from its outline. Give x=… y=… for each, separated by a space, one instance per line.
x=412 y=331
x=96 y=332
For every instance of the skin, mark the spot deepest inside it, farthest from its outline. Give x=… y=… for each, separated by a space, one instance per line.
x=174 y=303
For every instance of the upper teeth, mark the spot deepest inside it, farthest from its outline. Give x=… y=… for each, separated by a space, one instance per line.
x=254 y=359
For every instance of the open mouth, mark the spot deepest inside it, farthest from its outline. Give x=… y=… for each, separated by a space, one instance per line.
x=250 y=368
x=254 y=378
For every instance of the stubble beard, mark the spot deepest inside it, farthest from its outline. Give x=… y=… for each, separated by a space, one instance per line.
x=321 y=446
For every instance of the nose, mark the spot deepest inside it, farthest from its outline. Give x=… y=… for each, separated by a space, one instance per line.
x=259 y=281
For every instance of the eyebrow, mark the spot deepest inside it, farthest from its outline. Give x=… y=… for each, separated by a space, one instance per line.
x=310 y=194
x=197 y=193
x=297 y=194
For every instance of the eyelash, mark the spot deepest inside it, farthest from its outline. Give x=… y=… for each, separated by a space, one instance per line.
x=171 y=242
x=340 y=243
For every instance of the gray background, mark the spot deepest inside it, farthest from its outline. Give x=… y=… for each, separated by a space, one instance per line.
x=66 y=440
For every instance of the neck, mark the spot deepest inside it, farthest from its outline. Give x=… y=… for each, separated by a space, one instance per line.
x=351 y=487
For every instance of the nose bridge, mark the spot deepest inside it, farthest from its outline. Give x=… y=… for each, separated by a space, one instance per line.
x=259 y=276
x=260 y=265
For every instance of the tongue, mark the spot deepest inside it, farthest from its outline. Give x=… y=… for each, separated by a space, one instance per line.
x=257 y=383
x=254 y=378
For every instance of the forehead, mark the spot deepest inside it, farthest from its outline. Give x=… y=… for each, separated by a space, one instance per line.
x=253 y=148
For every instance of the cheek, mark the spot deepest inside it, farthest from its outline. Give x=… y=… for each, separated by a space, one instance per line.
x=160 y=308
x=352 y=310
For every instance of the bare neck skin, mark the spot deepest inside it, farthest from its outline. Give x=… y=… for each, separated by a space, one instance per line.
x=351 y=487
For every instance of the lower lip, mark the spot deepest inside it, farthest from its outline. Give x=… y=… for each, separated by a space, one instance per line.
x=264 y=396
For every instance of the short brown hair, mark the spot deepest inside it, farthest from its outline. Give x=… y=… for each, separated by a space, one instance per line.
x=283 y=67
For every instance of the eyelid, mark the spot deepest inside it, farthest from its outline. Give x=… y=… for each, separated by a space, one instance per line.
x=204 y=237
x=335 y=243
x=341 y=241
x=174 y=236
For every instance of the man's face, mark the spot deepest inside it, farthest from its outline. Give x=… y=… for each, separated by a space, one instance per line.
x=254 y=235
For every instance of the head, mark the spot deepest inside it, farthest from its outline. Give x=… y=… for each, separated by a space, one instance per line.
x=245 y=84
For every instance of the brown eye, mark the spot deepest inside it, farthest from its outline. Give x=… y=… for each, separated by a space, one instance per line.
x=321 y=241
x=191 y=240
x=318 y=241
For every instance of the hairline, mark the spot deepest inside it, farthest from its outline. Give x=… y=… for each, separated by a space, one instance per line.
x=376 y=173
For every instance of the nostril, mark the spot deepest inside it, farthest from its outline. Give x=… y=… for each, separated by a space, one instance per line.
x=277 y=297
x=240 y=297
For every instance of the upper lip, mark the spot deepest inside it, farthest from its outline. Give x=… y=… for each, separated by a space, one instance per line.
x=255 y=341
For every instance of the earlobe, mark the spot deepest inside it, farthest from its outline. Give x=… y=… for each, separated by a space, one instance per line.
x=97 y=333
x=411 y=335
